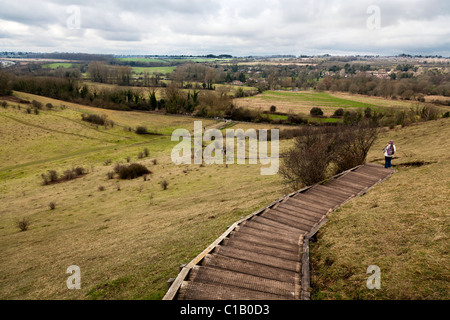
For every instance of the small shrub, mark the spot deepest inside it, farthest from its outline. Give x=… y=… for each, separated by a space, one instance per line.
x=273 y=108
x=36 y=104
x=50 y=177
x=141 y=130
x=155 y=161
x=49 y=106
x=69 y=175
x=79 y=171
x=338 y=112
x=28 y=110
x=23 y=224
x=316 y=111
x=94 y=118
x=131 y=171
x=4 y=104
x=140 y=155
x=164 y=184
x=101 y=188
x=146 y=152
x=446 y=115
x=108 y=162
x=128 y=159
x=52 y=205
x=151 y=198
x=110 y=175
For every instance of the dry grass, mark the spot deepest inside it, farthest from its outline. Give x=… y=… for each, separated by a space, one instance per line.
x=401 y=225
x=126 y=246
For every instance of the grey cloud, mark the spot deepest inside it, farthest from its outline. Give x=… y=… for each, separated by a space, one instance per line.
x=232 y=26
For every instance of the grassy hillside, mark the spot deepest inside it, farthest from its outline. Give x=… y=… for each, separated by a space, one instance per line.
x=127 y=236
x=401 y=225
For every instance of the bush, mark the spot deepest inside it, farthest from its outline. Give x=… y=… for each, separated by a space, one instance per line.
x=52 y=205
x=164 y=184
x=23 y=224
x=131 y=171
x=316 y=111
x=446 y=115
x=50 y=177
x=306 y=163
x=273 y=108
x=36 y=104
x=146 y=152
x=110 y=175
x=79 y=171
x=94 y=118
x=49 y=106
x=320 y=152
x=338 y=112
x=141 y=130
x=69 y=175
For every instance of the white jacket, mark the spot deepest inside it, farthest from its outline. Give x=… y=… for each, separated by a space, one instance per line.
x=385 y=150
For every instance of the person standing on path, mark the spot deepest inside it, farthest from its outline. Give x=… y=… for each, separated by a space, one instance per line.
x=389 y=152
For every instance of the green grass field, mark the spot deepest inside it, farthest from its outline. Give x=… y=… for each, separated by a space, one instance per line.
x=152 y=70
x=301 y=102
x=142 y=59
x=57 y=65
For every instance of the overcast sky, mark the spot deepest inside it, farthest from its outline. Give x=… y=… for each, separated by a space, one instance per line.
x=237 y=27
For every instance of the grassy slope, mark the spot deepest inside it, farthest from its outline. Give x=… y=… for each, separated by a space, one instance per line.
x=401 y=225
x=128 y=243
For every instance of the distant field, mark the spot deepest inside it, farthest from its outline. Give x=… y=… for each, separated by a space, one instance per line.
x=142 y=59
x=301 y=102
x=152 y=70
x=57 y=65
x=168 y=60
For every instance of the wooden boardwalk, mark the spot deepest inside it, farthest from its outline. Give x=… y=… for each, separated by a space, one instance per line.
x=265 y=256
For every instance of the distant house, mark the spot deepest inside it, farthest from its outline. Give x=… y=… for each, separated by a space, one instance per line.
x=237 y=83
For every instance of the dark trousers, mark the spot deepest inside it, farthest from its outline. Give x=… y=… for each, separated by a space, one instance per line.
x=387 y=162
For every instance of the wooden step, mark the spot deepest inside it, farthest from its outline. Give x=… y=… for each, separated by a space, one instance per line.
x=206 y=291
x=311 y=215
x=270 y=235
x=242 y=281
x=258 y=258
x=284 y=227
x=262 y=249
x=271 y=243
x=297 y=214
x=249 y=267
